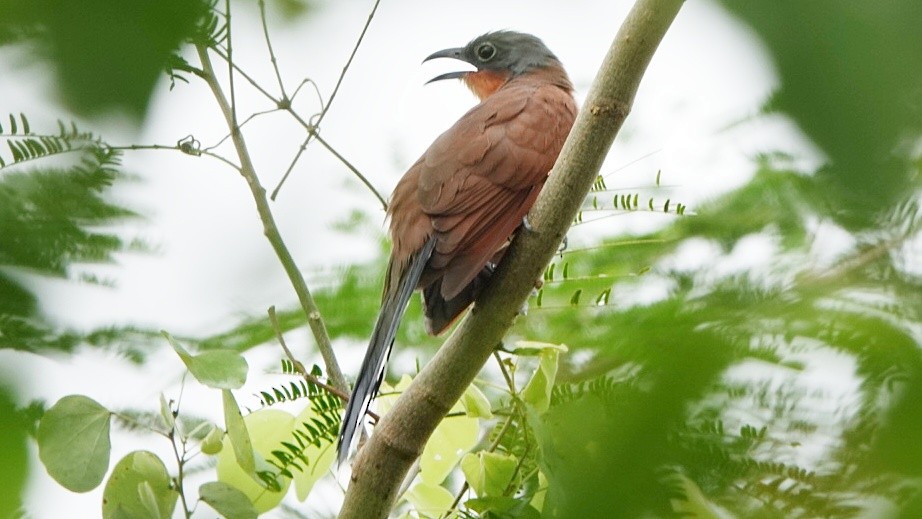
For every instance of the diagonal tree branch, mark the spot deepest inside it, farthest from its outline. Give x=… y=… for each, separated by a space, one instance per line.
x=401 y=434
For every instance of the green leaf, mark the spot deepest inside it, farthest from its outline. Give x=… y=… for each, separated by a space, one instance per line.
x=139 y=488
x=319 y=459
x=166 y=413
x=502 y=506
x=213 y=441
x=148 y=499
x=268 y=428
x=537 y=392
x=449 y=442
x=16 y=458
x=454 y=437
x=237 y=433
x=430 y=500
x=73 y=442
x=535 y=348
x=488 y=473
x=227 y=500
x=220 y=369
x=475 y=403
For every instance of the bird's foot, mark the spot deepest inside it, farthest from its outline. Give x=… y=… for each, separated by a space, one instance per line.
x=526 y=224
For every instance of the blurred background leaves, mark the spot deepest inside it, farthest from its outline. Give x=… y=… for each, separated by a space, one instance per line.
x=852 y=81
x=716 y=379
x=107 y=55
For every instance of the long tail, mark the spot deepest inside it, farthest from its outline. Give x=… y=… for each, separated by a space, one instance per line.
x=440 y=313
x=379 y=348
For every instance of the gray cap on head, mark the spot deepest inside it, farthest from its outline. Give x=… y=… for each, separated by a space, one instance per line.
x=502 y=51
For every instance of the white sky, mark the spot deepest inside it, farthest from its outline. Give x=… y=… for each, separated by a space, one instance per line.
x=690 y=120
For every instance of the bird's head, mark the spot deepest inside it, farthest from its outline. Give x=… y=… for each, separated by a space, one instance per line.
x=498 y=57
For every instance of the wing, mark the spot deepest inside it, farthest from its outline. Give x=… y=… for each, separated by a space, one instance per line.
x=479 y=179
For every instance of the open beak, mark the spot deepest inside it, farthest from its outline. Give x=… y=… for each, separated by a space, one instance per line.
x=456 y=53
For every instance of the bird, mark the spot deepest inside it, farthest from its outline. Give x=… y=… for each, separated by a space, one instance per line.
x=455 y=210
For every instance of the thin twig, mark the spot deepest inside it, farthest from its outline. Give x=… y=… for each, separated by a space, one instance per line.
x=249 y=118
x=339 y=83
x=180 y=460
x=342 y=74
x=312 y=131
x=275 y=66
x=299 y=367
x=312 y=83
x=291 y=166
x=246 y=76
x=310 y=126
x=270 y=229
x=352 y=168
x=135 y=147
x=285 y=103
x=273 y=318
x=230 y=69
x=502 y=368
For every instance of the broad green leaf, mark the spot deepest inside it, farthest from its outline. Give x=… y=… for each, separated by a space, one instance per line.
x=268 y=428
x=537 y=501
x=488 y=473
x=166 y=413
x=237 y=433
x=220 y=369
x=451 y=440
x=319 y=459
x=182 y=352
x=430 y=500
x=537 y=392
x=73 y=442
x=534 y=348
x=213 y=442
x=227 y=500
x=454 y=437
x=502 y=506
x=149 y=500
x=390 y=394
x=475 y=403
x=201 y=430
x=139 y=487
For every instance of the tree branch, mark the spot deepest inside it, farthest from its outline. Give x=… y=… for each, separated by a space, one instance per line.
x=270 y=229
x=401 y=434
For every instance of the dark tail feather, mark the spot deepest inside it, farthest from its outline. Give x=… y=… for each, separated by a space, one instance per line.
x=379 y=349
x=441 y=313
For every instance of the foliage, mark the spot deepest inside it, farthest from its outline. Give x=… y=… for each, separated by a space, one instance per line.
x=13 y=435
x=106 y=54
x=703 y=398
x=51 y=219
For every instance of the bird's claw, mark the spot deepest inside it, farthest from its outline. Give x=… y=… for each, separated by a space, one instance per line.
x=563 y=244
x=526 y=224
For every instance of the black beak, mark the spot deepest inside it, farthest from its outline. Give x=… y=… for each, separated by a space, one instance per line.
x=456 y=53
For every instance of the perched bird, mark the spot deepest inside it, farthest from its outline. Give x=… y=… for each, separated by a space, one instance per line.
x=454 y=211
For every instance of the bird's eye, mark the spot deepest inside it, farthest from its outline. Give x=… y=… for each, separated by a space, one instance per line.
x=486 y=51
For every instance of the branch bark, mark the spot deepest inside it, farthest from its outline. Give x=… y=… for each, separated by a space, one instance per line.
x=270 y=229
x=401 y=434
